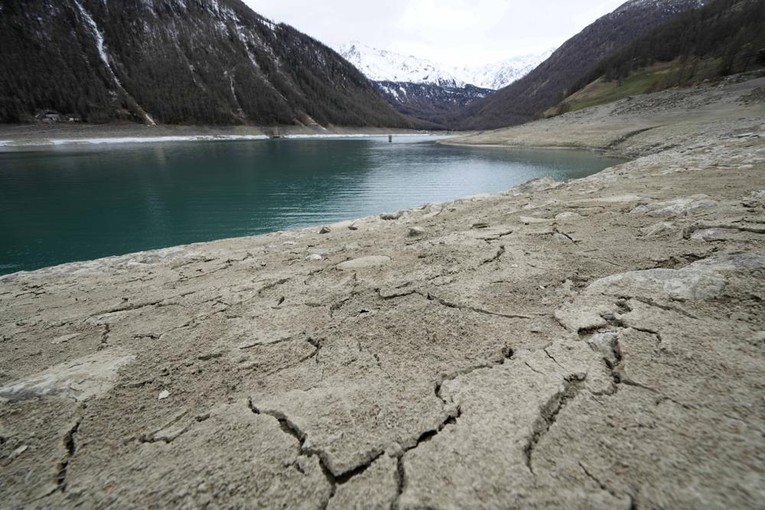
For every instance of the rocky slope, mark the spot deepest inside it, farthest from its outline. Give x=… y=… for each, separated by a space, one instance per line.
x=555 y=78
x=174 y=61
x=592 y=344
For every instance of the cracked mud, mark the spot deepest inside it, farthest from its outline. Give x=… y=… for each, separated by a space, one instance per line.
x=592 y=344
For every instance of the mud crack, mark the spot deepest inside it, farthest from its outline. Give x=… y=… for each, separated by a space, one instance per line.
x=167 y=435
x=129 y=307
x=666 y=308
x=70 y=446
x=548 y=415
x=600 y=484
x=559 y=232
x=105 y=337
x=449 y=304
x=290 y=428
x=496 y=257
x=272 y=285
x=451 y=417
x=506 y=354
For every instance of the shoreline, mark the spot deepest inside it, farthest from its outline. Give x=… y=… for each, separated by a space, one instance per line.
x=544 y=347
x=20 y=136
x=308 y=228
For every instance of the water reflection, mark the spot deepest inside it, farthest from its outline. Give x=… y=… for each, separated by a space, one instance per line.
x=77 y=203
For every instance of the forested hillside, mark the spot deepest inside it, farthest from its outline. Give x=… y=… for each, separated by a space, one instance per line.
x=556 y=77
x=724 y=37
x=174 y=61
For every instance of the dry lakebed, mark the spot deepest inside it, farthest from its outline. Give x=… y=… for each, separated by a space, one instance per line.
x=592 y=344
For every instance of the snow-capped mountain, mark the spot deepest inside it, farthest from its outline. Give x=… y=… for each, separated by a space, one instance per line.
x=382 y=65
x=501 y=74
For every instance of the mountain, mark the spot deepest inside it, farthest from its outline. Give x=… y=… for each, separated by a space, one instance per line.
x=552 y=80
x=177 y=62
x=428 y=91
x=724 y=37
x=428 y=102
x=501 y=74
x=382 y=65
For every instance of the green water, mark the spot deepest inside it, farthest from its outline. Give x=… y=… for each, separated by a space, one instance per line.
x=73 y=203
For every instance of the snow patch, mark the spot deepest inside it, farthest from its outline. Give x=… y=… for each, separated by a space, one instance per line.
x=155 y=139
x=100 y=45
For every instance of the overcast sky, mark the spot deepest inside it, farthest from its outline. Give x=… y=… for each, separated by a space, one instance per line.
x=460 y=32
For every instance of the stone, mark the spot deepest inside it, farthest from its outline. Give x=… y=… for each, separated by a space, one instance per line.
x=392 y=216
x=81 y=379
x=606 y=344
x=713 y=234
x=702 y=280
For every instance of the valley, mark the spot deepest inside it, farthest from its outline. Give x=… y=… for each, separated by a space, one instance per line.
x=355 y=320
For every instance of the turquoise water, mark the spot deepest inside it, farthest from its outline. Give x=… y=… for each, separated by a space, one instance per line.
x=80 y=202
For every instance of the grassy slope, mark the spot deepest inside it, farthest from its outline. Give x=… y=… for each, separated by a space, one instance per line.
x=723 y=38
x=654 y=78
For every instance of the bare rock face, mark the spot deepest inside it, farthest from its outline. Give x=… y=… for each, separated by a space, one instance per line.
x=548 y=347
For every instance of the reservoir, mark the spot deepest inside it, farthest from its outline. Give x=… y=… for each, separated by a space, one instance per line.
x=80 y=202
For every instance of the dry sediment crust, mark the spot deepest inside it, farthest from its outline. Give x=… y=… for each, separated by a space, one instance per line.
x=610 y=356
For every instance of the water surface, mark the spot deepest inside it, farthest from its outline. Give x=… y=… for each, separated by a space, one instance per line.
x=79 y=202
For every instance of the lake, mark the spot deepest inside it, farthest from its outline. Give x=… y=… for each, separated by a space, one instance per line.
x=80 y=202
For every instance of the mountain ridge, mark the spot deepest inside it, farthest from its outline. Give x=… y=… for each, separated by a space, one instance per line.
x=383 y=65
x=163 y=61
x=549 y=83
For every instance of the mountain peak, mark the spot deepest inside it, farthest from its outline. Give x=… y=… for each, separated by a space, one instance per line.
x=383 y=65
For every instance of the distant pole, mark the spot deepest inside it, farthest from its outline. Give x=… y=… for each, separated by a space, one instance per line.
x=390 y=138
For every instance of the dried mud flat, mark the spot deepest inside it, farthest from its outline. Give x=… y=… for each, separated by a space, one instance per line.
x=593 y=344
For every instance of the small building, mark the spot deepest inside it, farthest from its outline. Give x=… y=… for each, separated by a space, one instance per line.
x=48 y=116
